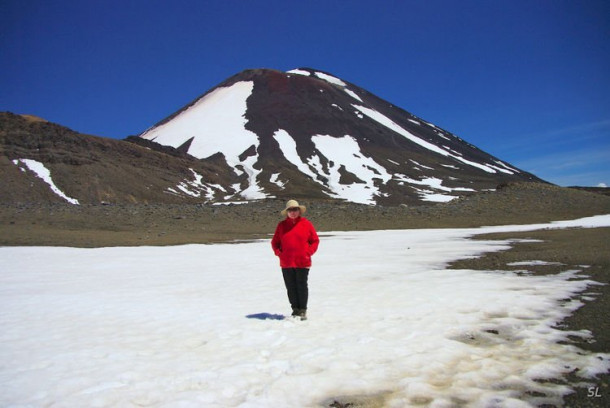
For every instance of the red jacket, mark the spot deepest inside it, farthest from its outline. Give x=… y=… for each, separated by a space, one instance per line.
x=295 y=241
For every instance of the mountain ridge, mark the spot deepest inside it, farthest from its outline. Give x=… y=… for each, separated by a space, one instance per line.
x=289 y=118
x=260 y=134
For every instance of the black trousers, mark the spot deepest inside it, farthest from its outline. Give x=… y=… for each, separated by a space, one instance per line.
x=295 y=280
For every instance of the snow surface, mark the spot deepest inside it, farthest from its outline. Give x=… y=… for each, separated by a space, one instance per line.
x=299 y=72
x=340 y=152
x=219 y=116
x=330 y=78
x=435 y=184
x=197 y=187
x=289 y=148
x=353 y=94
x=345 y=152
x=217 y=123
x=203 y=325
x=533 y=263
x=387 y=122
x=45 y=174
x=276 y=180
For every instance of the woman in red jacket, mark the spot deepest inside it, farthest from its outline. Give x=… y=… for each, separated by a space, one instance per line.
x=295 y=241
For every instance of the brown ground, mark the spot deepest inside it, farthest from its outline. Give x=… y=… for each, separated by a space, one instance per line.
x=129 y=225
x=139 y=224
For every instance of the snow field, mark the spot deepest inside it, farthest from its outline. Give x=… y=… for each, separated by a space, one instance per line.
x=185 y=326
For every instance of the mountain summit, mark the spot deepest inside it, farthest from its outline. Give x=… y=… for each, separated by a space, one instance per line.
x=262 y=133
x=307 y=133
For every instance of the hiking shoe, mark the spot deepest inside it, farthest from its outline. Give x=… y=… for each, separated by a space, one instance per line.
x=303 y=314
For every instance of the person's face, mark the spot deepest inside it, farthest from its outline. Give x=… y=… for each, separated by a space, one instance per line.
x=294 y=212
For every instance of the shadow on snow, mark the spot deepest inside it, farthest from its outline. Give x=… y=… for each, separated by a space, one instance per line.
x=266 y=316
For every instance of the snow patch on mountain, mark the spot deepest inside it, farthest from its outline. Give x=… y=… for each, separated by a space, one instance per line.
x=254 y=190
x=275 y=179
x=197 y=187
x=289 y=148
x=216 y=123
x=45 y=174
x=433 y=183
x=512 y=170
x=387 y=122
x=299 y=72
x=431 y=196
x=330 y=78
x=420 y=166
x=345 y=153
x=342 y=154
x=352 y=94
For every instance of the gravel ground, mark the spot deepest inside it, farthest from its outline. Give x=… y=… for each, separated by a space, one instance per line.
x=132 y=225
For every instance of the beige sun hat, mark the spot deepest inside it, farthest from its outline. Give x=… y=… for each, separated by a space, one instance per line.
x=293 y=204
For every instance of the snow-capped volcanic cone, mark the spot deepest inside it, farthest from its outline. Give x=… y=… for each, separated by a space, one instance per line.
x=306 y=133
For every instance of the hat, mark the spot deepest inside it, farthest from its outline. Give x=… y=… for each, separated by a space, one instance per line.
x=292 y=204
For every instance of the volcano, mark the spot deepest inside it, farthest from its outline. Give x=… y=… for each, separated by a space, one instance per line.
x=306 y=133
x=261 y=134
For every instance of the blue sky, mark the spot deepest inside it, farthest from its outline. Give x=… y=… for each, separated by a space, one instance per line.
x=527 y=81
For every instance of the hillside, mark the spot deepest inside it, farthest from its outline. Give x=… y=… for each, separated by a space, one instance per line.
x=260 y=135
x=170 y=224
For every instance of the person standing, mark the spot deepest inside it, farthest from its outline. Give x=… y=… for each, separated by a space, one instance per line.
x=295 y=240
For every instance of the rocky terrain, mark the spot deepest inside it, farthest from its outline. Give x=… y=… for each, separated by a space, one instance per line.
x=171 y=224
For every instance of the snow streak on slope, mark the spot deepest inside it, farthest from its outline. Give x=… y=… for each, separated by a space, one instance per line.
x=328 y=78
x=435 y=184
x=43 y=173
x=345 y=153
x=197 y=187
x=217 y=123
x=289 y=148
x=111 y=327
x=387 y=122
x=342 y=154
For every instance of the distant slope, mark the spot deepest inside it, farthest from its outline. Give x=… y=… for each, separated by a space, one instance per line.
x=92 y=169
